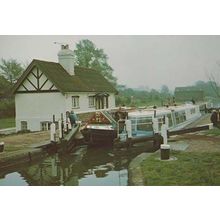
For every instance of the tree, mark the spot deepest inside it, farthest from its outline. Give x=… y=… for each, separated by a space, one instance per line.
x=11 y=69
x=88 y=55
x=165 y=93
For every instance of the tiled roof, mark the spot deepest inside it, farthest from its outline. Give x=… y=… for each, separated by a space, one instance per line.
x=84 y=80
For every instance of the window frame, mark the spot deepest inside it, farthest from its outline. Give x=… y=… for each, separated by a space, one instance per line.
x=89 y=99
x=75 y=97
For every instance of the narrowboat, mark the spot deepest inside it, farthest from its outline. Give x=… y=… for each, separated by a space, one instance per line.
x=101 y=129
x=105 y=126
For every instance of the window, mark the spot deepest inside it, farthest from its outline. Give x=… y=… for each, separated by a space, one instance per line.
x=91 y=101
x=180 y=117
x=192 y=111
x=75 y=101
x=23 y=125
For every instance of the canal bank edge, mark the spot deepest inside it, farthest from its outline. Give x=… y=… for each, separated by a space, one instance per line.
x=135 y=175
x=37 y=151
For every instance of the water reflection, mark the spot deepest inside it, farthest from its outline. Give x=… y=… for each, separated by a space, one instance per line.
x=92 y=166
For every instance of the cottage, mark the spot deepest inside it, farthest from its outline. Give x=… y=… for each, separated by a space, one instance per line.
x=48 y=88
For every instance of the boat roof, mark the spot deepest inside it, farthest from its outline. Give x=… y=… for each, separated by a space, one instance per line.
x=159 y=111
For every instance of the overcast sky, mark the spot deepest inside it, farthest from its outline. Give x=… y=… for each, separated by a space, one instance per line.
x=149 y=61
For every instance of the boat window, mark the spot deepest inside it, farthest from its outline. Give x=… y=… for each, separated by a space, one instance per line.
x=142 y=123
x=192 y=111
x=180 y=117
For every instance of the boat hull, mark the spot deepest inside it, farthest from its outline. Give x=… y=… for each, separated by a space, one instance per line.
x=99 y=137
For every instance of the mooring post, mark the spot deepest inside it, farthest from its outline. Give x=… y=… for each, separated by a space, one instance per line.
x=165 y=147
x=164 y=151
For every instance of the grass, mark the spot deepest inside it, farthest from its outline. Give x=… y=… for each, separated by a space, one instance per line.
x=7 y=123
x=215 y=132
x=190 y=169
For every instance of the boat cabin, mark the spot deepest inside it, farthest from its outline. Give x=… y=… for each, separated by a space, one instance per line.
x=176 y=118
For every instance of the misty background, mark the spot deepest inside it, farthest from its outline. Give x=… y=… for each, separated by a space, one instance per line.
x=138 y=61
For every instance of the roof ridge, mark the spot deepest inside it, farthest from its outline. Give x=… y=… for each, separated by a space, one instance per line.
x=45 y=61
x=86 y=68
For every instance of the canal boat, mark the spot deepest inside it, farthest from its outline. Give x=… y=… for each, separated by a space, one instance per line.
x=176 y=117
x=105 y=126
x=101 y=129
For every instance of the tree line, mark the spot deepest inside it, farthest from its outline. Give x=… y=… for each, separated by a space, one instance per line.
x=88 y=55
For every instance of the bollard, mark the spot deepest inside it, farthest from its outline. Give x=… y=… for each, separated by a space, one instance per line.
x=164 y=151
x=2 y=144
x=53 y=132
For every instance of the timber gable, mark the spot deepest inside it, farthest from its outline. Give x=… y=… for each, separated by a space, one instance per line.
x=44 y=76
x=35 y=82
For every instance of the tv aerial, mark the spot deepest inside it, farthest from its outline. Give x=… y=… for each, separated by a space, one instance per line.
x=64 y=45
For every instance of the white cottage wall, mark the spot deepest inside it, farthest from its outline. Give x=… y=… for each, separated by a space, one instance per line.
x=37 y=107
x=84 y=101
x=111 y=100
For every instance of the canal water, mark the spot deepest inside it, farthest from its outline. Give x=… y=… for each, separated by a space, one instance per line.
x=97 y=166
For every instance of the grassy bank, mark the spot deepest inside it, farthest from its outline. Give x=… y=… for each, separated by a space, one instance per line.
x=190 y=168
x=214 y=132
x=7 y=123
